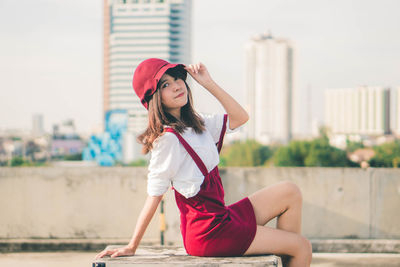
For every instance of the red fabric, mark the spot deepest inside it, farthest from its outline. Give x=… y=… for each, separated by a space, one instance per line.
x=208 y=227
x=147 y=75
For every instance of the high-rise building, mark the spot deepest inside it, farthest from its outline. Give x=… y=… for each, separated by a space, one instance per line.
x=269 y=82
x=37 y=125
x=363 y=110
x=396 y=111
x=135 y=30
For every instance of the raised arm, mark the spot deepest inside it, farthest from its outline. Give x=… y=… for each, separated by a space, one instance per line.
x=143 y=221
x=237 y=114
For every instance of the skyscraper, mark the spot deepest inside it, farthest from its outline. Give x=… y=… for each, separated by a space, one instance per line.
x=364 y=110
x=37 y=125
x=396 y=111
x=135 y=30
x=269 y=81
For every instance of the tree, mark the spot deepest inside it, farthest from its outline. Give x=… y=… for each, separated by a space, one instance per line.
x=248 y=153
x=317 y=152
x=293 y=154
x=17 y=161
x=73 y=157
x=386 y=155
x=31 y=149
x=352 y=146
x=324 y=155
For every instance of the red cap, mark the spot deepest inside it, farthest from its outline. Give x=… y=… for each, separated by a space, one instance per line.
x=147 y=75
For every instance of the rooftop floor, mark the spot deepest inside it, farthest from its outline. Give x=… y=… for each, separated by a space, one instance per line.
x=85 y=259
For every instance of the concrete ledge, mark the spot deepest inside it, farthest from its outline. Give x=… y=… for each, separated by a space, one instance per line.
x=43 y=245
x=177 y=256
x=319 y=245
x=339 y=203
x=356 y=245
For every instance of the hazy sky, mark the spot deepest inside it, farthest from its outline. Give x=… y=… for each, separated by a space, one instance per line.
x=51 y=52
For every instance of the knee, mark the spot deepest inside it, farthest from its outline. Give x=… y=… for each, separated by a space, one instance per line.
x=293 y=190
x=307 y=250
x=304 y=250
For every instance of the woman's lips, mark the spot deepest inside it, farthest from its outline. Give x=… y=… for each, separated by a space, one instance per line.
x=181 y=94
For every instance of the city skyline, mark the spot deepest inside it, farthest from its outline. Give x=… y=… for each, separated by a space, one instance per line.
x=52 y=53
x=270 y=74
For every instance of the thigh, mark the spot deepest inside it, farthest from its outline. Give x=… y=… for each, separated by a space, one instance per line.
x=274 y=200
x=275 y=241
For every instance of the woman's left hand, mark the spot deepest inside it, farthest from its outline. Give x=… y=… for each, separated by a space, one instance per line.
x=200 y=73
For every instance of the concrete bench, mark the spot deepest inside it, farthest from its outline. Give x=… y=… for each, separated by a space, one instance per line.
x=177 y=256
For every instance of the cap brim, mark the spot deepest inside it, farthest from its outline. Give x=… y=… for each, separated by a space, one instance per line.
x=161 y=72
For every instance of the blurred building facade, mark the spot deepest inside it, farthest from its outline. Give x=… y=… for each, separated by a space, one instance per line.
x=135 y=30
x=364 y=110
x=37 y=125
x=269 y=82
x=396 y=111
x=35 y=146
x=107 y=148
x=65 y=140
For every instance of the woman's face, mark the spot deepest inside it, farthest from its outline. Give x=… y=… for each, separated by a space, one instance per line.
x=173 y=93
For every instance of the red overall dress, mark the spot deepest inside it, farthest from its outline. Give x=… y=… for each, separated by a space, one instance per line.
x=208 y=227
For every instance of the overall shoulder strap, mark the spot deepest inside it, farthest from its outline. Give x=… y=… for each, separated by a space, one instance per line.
x=190 y=150
x=221 y=137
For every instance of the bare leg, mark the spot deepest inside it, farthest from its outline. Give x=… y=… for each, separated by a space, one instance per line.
x=275 y=241
x=282 y=200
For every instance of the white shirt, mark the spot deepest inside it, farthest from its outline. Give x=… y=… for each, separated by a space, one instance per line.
x=170 y=163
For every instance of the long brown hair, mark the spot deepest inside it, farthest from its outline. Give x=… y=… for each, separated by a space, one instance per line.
x=158 y=116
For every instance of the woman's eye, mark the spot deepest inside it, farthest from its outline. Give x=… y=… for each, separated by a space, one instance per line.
x=165 y=85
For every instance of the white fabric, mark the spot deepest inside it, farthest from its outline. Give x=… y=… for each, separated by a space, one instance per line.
x=170 y=163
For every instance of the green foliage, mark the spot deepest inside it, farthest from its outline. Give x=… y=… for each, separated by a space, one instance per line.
x=396 y=162
x=352 y=146
x=315 y=153
x=17 y=161
x=138 y=163
x=77 y=156
x=292 y=155
x=248 y=153
x=386 y=155
x=31 y=149
x=222 y=161
x=20 y=162
x=321 y=154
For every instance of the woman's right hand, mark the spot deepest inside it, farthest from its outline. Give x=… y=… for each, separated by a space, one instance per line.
x=124 y=251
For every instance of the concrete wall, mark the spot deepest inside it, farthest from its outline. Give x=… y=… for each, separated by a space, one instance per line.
x=95 y=202
x=80 y=202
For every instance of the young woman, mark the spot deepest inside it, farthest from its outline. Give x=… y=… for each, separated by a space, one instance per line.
x=185 y=149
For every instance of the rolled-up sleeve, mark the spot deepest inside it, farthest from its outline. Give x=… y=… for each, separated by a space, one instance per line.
x=164 y=164
x=214 y=123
